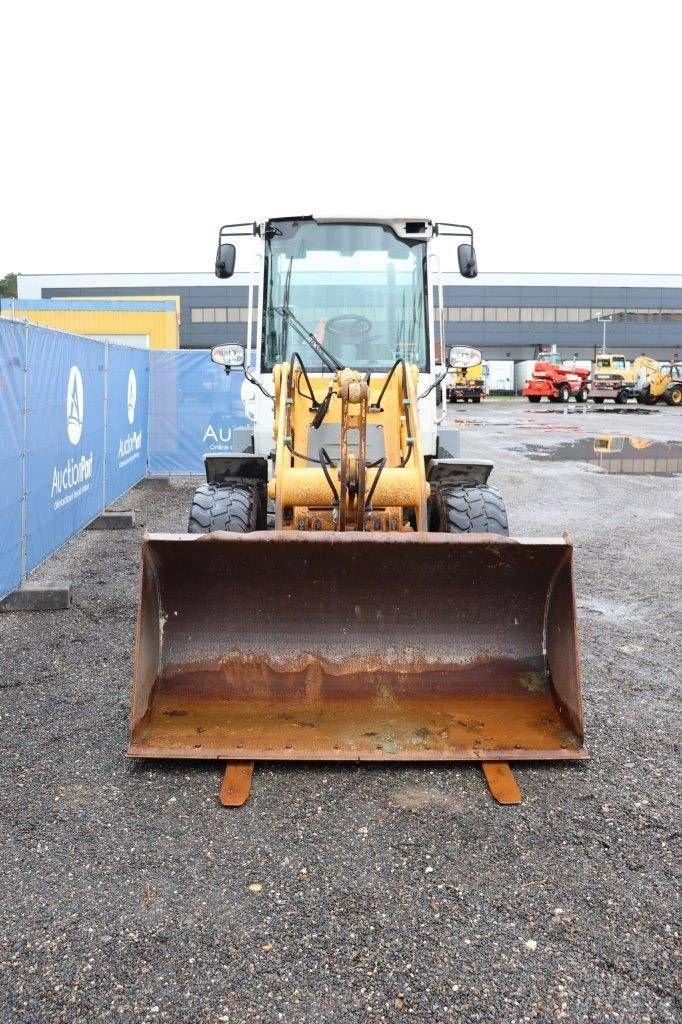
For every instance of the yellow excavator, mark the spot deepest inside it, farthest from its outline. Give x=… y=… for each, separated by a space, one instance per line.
x=347 y=589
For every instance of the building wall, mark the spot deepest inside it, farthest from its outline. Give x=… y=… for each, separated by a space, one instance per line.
x=157 y=321
x=513 y=321
x=507 y=316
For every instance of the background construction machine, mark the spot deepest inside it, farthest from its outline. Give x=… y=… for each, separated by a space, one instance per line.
x=466 y=383
x=614 y=376
x=664 y=383
x=556 y=380
x=387 y=616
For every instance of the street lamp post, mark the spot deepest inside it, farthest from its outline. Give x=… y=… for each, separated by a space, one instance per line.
x=604 y=320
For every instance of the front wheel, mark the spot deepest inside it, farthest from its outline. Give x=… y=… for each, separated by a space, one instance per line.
x=564 y=393
x=581 y=395
x=674 y=395
x=233 y=508
x=476 y=509
x=598 y=401
x=534 y=398
x=621 y=398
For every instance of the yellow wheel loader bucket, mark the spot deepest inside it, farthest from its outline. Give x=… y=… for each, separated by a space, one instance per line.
x=343 y=646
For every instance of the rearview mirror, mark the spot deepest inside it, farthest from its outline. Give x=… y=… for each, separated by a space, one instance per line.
x=230 y=356
x=466 y=256
x=224 y=261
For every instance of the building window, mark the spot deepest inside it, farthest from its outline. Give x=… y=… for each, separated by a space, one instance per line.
x=513 y=314
x=213 y=314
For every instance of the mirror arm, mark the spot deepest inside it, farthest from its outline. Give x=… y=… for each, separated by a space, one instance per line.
x=466 y=232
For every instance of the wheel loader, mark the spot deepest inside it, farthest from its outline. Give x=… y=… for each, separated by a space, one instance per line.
x=347 y=589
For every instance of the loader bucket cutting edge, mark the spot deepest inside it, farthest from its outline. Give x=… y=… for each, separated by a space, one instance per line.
x=344 y=646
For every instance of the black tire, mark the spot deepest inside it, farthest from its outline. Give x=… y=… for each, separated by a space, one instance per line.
x=564 y=393
x=476 y=400
x=598 y=401
x=581 y=395
x=233 y=508
x=534 y=398
x=673 y=396
x=621 y=398
x=467 y=510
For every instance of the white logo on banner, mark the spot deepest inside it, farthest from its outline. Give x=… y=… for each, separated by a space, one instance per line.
x=220 y=439
x=74 y=405
x=132 y=396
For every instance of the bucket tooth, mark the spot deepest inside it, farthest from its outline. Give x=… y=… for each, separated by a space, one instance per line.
x=501 y=782
x=236 y=786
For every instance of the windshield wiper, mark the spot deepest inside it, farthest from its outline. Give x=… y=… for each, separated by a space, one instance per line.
x=285 y=300
x=330 y=361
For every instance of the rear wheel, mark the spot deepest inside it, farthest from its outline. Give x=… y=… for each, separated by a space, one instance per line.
x=467 y=510
x=673 y=396
x=598 y=401
x=621 y=398
x=581 y=396
x=233 y=508
x=564 y=393
x=534 y=398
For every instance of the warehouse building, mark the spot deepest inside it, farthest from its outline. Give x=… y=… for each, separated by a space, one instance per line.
x=142 y=323
x=506 y=316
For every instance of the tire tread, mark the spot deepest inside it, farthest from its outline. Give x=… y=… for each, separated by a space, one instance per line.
x=233 y=509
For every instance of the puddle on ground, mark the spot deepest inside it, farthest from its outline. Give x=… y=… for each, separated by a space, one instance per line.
x=626 y=410
x=582 y=410
x=617 y=454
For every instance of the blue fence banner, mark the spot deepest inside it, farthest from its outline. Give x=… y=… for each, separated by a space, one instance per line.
x=82 y=421
x=194 y=408
x=64 y=439
x=12 y=379
x=126 y=416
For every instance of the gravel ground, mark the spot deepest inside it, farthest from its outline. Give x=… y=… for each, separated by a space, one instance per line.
x=352 y=894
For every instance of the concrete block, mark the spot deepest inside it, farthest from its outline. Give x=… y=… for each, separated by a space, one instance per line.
x=38 y=597
x=114 y=521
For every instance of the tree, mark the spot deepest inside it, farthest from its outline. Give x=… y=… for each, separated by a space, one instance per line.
x=8 y=286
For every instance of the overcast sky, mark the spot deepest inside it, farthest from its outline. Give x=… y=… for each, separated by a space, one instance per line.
x=132 y=130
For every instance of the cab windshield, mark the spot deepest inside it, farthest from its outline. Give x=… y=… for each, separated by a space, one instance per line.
x=357 y=287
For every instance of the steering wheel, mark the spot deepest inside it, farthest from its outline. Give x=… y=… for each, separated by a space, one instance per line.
x=348 y=327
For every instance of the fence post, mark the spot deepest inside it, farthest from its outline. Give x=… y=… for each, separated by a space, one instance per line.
x=105 y=458
x=24 y=460
x=149 y=409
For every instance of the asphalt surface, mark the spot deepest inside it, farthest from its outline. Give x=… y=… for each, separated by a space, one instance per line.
x=342 y=893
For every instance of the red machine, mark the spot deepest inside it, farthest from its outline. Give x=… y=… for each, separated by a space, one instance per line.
x=557 y=382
